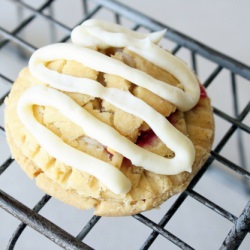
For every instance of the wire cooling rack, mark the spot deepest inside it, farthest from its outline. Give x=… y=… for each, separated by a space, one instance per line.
x=32 y=24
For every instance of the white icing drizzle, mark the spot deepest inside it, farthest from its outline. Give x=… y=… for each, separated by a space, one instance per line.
x=42 y=95
x=103 y=35
x=99 y=34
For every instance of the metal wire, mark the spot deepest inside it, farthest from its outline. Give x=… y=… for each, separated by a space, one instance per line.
x=22 y=226
x=238 y=231
x=32 y=218
x=39 y=223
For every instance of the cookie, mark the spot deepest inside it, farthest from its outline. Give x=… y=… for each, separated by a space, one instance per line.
x=110 y=121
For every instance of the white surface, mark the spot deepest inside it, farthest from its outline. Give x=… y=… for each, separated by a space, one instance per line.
x=221 y=24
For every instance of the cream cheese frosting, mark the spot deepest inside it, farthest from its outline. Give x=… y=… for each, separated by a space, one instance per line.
x=86 y=38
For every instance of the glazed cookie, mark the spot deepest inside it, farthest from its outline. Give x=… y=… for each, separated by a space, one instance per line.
x=110 y=121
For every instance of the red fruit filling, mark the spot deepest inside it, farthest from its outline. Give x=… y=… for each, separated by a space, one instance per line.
x=172 y=119
x=110 y=155
x=203 y=93
x=146 y=138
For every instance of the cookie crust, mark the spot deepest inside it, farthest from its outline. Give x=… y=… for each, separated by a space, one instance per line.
x=81 y=190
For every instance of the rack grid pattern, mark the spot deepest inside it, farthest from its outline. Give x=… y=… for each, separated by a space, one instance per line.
x=17 y=38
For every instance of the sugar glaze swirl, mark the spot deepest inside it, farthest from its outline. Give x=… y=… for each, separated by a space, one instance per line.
x=86 y=38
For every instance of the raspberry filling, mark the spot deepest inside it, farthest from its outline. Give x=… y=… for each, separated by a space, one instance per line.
x=110 y=155
x=146 y=138
x=203 y=93
x=172 y=119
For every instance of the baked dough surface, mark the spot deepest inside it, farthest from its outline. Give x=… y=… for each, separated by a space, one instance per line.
x=82 y=190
